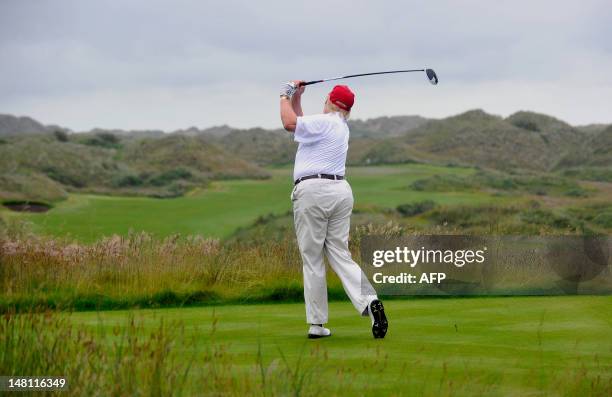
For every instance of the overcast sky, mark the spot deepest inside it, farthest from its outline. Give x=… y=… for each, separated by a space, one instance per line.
x=174 y=64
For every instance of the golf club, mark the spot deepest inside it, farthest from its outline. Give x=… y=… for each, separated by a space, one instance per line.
x=431 y=75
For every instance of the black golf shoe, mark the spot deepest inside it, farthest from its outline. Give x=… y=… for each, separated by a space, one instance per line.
x=379 y=320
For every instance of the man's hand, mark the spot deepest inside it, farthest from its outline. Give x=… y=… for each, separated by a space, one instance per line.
x=291 y=88
x=300 y=88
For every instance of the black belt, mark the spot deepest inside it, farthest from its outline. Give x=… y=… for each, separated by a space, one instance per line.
x=320 y=176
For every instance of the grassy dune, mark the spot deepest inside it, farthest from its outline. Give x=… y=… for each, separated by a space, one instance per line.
x=435 y=347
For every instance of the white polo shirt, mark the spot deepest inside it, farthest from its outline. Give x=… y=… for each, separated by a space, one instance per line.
x=323 y=143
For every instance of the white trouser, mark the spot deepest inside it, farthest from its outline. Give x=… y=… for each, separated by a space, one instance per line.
x=322 y=216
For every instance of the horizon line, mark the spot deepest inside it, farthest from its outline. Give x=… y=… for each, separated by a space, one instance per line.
x=225 y=125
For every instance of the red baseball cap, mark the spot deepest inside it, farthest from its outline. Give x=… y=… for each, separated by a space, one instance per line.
x=342 y=96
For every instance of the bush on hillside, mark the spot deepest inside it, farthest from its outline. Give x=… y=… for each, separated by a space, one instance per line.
x=538 y=184
x=129 y=180
x=471 y=216
x=103 y=139
x=604 y=220
x=27 y=185
x=548 y=218
x=577 y=192
x=599 y=214
x=417 y=208
x=387 y=152
x=443 y=183
x=170 y=176
x=65 y=178
x=60 y=135
x=527 y=125
x=599 y=174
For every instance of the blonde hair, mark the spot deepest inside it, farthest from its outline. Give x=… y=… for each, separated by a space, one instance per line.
x=331 y=107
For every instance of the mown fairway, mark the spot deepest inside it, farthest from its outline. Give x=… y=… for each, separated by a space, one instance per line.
x=540 y=346
x=221 y=209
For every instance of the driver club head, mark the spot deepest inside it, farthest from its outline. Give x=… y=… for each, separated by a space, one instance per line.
x=432 y=76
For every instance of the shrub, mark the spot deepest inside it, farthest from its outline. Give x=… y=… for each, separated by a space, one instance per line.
x=471 y=216
x=128 y=181
x=60 y=135
x=178 y=188
x=170 y=176
x=62 y=177
x=527 y=125
x=599 y=214
x=386 y=152
x=590 y=173
x=413 y=209
x=604 y=220
x=548 y=218
x=103 y=139
x=538 y=184
x=577 y=192
x=442 y=183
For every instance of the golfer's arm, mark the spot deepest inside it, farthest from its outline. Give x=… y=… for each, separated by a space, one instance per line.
x=288 y=116
x=296 y=104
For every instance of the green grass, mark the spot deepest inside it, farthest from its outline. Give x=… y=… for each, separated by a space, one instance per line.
x=227 y=205
x=529 y=346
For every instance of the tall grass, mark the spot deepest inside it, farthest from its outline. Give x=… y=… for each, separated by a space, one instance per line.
x=139 y=270
x=164 y=361
x=126 y=361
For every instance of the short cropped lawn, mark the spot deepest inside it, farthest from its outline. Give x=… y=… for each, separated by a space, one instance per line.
x=505 y=346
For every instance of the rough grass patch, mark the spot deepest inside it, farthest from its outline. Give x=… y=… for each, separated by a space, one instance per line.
x=417 y=208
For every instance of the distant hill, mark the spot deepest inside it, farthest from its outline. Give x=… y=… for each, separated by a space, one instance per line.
x=196 y=155
x=27 y=161
x=538 y=122
x=595 y=151
x=524 y=140
x=12 y=125
x=217 y=131
x=592 y=128
x=383 y=127
x=601 y=148
x=124 y=133
x=44 y=162
x=264 y=147
x=380 y=127
x=44 y=167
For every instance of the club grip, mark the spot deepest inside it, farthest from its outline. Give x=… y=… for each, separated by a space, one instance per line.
x=304 y=83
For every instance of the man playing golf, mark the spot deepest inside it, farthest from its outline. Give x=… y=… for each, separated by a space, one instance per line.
x=322 y=206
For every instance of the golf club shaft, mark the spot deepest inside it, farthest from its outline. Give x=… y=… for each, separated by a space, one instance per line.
x=359 y=75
